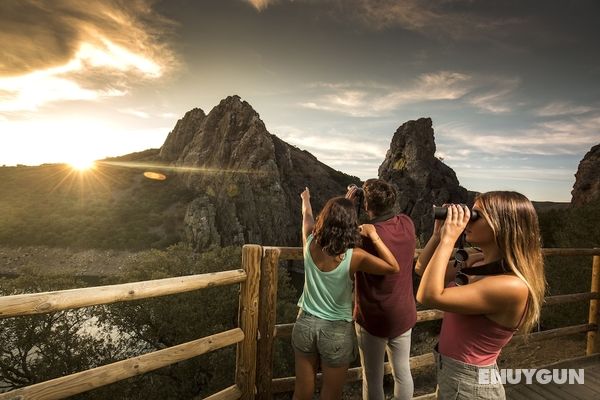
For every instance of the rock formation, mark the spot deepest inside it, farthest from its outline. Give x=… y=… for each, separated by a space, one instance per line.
x=587 y=179
x=422 y=180
x=182 y=134
x=246 y=181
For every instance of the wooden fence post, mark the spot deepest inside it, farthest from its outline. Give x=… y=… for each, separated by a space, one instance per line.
x=245 y=374
x=266 y=322
x=593 y=337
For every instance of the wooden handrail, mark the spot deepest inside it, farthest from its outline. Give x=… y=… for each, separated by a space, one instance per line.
x=257 y=327
x=295 y=253
x=40 y=303
x=284 y=330
x=593 y=337
x=231 y=393
x=80 y=382
x=245 y=335
x=354 y=374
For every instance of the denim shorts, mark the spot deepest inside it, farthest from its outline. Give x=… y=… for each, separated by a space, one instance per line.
x=459 y=380
x=333 y=341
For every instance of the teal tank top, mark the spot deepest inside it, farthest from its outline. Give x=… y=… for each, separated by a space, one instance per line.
x=327 y=295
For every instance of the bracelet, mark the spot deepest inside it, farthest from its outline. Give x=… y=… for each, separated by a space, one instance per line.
x=374 y=240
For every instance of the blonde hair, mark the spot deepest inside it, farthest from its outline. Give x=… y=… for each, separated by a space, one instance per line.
x=514 y=222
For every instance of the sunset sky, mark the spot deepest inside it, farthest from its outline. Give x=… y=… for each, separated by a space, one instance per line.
x=512 y=87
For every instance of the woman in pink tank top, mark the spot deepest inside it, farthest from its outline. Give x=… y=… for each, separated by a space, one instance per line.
x=486 y=297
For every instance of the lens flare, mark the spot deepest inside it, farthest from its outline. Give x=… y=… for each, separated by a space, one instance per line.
x=81 y=164
x=155 y=175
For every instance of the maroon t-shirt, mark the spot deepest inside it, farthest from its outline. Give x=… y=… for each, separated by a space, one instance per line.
x=384 y=304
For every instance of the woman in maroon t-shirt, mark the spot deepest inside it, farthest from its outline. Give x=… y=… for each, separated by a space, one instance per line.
x=384 y=308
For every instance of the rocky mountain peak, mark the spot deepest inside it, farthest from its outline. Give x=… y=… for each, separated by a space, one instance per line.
x=247 y=181
x=587 y=179
x=182 y=134
x=422 y=179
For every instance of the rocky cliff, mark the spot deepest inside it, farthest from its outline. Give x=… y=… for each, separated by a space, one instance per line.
x=246 y=181
x=422 y=180
x=587 y=179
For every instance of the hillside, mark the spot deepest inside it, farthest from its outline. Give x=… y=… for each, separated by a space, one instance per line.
x=108 y=207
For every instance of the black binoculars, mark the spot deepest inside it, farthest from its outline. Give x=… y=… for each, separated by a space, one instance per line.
x=441 y=212
x=359 y=196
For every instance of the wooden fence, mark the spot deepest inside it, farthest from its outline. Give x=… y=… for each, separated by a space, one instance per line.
x=244 y=335
x=256 y=331
x=269 y=331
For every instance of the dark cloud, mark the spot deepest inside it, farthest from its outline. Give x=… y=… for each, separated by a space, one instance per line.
x=41 y=34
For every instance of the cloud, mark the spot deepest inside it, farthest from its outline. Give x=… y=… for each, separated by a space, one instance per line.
x=432 y=18
x=493 y=94
x=341 y=151
x=68 y=50
x=556 y=138
x=260 y=4
x=135 y=113
x=561 y=109
x=488 y=93
x=371 y=99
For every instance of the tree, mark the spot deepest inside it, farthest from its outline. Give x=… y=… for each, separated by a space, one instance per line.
x=42 y=347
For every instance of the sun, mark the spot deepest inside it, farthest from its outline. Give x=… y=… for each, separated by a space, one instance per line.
x=82 y=164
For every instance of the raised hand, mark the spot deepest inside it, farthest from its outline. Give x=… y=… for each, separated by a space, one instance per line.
x=305 y=195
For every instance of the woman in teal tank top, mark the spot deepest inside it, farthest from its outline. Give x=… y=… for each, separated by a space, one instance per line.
x=324 y=330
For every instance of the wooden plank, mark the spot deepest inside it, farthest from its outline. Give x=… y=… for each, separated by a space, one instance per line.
x=428 y=396
x=230 y=393
x=571 y=252
x=514 y=392
x=552 y=333
x=544 y=391
x=39 y=303
x=593 y=337
x=288 y=253
x=245 y=374
x=266 y=322
x=295 y=253
x=283 y=330
x=280 y=385
x=575 y=391
x=80 y=382
x=527 y=392
x=429 y=315
x=570 y=298
x=592 y=382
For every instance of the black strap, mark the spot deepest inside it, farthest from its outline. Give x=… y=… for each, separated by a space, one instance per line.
x=494 y=268
x=497 y=267
x=383 y=217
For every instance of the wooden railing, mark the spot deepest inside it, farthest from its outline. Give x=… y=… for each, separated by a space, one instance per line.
x=269 y=331
x=244 y=335
x=255 y=334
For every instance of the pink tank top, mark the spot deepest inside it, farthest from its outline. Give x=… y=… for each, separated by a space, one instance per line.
x=472 y=339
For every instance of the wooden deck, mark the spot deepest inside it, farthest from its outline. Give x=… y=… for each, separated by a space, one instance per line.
x=588 y=391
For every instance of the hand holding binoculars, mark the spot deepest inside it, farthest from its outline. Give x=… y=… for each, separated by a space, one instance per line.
x=441 y=212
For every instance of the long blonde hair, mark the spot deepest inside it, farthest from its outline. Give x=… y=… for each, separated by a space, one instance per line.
x=514 y=221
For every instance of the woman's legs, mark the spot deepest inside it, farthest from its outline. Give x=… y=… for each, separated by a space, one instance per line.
x=399 y=354
x=333 y=381
x=306 y=371
x=372 y=357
